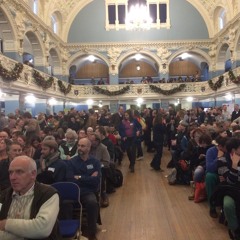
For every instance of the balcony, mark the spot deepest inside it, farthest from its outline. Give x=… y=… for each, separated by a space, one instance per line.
x=27 y=82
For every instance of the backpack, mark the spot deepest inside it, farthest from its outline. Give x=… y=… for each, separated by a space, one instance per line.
x=118 y=178
x=114 y=179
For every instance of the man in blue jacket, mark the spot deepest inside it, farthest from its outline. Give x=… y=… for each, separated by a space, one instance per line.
x=85 y=171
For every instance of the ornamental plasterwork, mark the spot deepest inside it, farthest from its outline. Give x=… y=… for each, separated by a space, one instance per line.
x=163 y=54
x=113 y=55
x=212 y=50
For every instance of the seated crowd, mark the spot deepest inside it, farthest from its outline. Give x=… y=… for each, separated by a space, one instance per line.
x=84 y=148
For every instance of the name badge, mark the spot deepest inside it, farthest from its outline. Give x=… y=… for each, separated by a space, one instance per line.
x=90 y=166
x=51 y=169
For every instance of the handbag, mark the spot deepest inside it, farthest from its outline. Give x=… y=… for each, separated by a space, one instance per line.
x=184 y=165
x=200 y=193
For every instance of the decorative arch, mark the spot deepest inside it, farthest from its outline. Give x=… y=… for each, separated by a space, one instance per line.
x=152 y=55
x=78 y=55
x=205 y=15
x=218 y=16
x=88 y=70
x=57 y=17
x=8 y=24
x=223 y=55
x=33 y=44
x=55 y=61
x=195 y=50
x=68 y=21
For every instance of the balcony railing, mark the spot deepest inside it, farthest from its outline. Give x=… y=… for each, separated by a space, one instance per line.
x=26 y=83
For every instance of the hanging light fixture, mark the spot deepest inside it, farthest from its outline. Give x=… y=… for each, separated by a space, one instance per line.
x=137 y=17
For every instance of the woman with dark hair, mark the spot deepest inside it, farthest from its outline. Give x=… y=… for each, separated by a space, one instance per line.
x=159 y=130
x=4 y=164
x=129 y=130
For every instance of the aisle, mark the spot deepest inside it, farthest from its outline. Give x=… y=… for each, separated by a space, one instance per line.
x=147 y=208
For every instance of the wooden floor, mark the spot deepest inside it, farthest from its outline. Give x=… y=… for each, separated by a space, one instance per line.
x=147 y=208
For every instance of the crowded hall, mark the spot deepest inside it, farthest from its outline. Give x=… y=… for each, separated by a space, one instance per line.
x=120 y=119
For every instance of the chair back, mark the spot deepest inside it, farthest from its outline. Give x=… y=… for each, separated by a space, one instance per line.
x=67 y=191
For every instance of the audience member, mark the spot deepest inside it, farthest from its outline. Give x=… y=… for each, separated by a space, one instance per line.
x=85 y=170
x=68 y=148
x=29 y=209
x=51 y=167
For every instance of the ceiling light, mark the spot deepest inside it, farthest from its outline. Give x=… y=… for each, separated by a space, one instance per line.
x=138 y=67
x=91 y=58
x=138 y=56
x=30 y=99
x=52 y=101
x=185 y=55
x=138 y=17
x=189 y=99
x=228 y=97
x=89 y=102
x=139 y=101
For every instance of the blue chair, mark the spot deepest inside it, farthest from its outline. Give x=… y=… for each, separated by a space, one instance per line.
x=69 y=193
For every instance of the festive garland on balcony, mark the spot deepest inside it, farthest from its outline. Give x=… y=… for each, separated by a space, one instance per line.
x=217 y=85
x=11 y=75
x=232 y=77
x=63 y=89
x=167 y=92
x=41 y=81
x=109 y=93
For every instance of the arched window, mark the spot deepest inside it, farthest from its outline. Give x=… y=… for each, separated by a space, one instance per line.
x=148 y=14
x=222 y=19
x=56 y=22
x=34 y=5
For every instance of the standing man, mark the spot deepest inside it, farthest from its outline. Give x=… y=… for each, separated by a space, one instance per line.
x=117 y=118
x=31 y=127
x=235 y=113
x=85 y=171
x=29 y=209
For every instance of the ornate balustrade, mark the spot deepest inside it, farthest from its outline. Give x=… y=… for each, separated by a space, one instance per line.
x=30 y=80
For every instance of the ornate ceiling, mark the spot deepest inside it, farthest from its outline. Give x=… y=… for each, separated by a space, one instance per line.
x=70 y=8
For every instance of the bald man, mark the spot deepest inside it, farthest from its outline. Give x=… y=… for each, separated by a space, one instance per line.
x=28 y=209
x=85 y=171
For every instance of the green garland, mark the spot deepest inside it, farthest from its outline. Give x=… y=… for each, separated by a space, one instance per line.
x=167 y=92
x=232 y=77
x=217 y=85
x=11 y=75
x=41 y=82
x=113 y=93
x=63 y=89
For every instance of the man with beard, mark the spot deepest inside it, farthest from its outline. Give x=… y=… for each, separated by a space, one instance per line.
x=85 y=171
x=52 y=168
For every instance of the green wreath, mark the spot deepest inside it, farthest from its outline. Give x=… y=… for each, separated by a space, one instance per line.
x=63 y=89
x=217 y=85
x=167 y=92
x=109 y=93
x=12 y=75
x=41 y=81
x=233 y=78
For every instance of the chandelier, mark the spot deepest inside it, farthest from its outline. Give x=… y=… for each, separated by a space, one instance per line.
x=138 y=17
